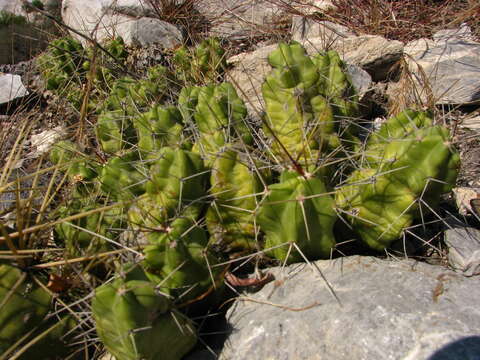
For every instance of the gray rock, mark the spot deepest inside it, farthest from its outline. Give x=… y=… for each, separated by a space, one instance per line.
x=13 y=6
x=11 y=88
x=464 y=250
x=472 y=123
x=389 y=310
x=311 y=7
x=133 y=8
x=96 y=18
x=145 y=31
x=249 y=71
x=462 y=33
x=451 y=65
x=306 y=28
x=240 y=19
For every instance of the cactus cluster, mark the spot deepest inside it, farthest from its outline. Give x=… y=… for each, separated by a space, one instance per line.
x=204 y=184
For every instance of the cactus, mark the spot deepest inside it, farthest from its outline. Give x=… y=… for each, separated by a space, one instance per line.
x=65 y=152
x=298 y=210
x=128 y=98
x=61 y=64
x=159 y=127
x=88 y=234
x=136 y=322
x=219 y=116
x=54 y=333
x=124 y=177
x=177 y=181
x=178 y=261
x=231 y=217
x=202 y=65
x=305 y=101
x=106 y=67
x=23 y=305
x=403 y=164
x=81 y=169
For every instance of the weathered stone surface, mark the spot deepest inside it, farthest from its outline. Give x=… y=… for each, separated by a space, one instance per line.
x=310 y=7
x=304 y=29
x=145 y=31
x=451 y=63
x=463 y=197
x=249 y=71
x=472 y=123
x=42 y=143
x=12 y=6
x=462 y=33
x=389 y=310
x=464 y=249
x=11 y=88
x=239 y=19
x=97 y=18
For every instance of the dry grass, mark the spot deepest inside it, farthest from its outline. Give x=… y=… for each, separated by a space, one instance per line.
x=405 y=20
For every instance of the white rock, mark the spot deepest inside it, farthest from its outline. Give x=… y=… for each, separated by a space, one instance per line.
x=310 y=7
x=449 y=65
x=12 y=6
x=462 y=33
x=96 y=18
x=304 y=29
x=11 y=88
x=472 y=123
x=43 y=142
x=464 y=250
x=240 y=19
x=463 y=196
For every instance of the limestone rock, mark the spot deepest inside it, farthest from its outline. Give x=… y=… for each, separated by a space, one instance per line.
x=11 y=88
x=240 y=19
x=389 y=310
x=311 y=7
x=97 y=18
x=304 y=29
x=451 y=64
x=464 y=250
x=13 y=6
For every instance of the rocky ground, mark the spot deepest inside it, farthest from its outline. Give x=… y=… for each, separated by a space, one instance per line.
x=353 y=307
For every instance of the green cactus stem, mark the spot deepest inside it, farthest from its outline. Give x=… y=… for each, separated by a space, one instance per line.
x=135 y=322
x=298 y=210
x=203 y=65
x=160 y=126
x=309 y=103
x=179 y=261
x=218 y=114
x=87 y=235
x=231 y=216
x=408 y=163
x=23 y=305
x=124 y=177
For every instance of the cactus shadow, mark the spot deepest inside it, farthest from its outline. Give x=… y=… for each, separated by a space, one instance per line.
x=467 y=348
